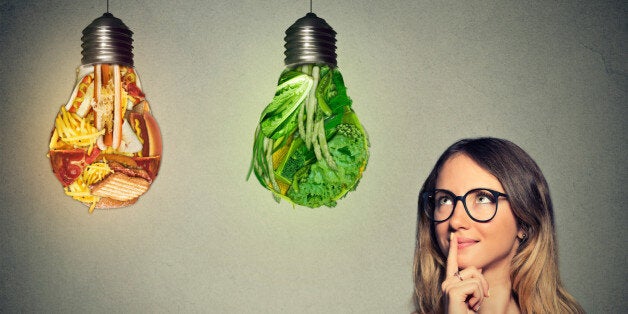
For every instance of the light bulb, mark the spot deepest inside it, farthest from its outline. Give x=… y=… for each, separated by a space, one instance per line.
x=309 y=147
x=105 y=146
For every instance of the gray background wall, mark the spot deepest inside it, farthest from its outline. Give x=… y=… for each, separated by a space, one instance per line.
x=550 y=76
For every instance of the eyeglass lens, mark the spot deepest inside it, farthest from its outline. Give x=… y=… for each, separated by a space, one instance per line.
x=480 y=204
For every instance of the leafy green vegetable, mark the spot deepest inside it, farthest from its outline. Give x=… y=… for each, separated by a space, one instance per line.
x=287 y=75
x=331 y=93
x=310 y=148
x=318 y=184
x=338 y=98
x=297 y=157
x=277 y=118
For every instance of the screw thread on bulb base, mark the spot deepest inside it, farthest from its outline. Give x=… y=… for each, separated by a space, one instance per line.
x=107 y=40
x=310 y=40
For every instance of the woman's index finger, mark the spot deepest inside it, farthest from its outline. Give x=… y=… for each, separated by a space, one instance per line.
x=452 y=256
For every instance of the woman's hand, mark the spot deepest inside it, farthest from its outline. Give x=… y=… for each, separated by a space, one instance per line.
x=464 y=290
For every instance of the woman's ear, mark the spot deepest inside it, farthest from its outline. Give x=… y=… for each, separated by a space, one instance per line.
x=522 y=235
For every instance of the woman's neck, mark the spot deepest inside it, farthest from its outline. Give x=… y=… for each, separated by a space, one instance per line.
x=501 y=299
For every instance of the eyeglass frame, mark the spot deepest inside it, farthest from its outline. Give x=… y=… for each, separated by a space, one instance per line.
x=462 y=198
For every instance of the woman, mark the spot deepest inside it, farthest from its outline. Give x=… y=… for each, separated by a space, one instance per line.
x=489 y=198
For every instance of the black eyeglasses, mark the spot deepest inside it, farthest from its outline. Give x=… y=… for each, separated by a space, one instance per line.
x=439 y=204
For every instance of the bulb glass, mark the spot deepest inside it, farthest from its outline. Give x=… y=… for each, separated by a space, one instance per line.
x=105 y=146
x=310 y=147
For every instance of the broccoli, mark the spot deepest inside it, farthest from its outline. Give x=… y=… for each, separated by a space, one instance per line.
x=317 y=184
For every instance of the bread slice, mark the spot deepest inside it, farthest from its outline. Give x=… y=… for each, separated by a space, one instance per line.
x=109 y=203
x=121 y=187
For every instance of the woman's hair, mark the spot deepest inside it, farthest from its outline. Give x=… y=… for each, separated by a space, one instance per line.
x=534 y=274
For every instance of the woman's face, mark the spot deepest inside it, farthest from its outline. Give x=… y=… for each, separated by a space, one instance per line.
x=484 y=245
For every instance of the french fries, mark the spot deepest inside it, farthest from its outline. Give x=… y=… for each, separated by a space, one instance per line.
x=74 y=130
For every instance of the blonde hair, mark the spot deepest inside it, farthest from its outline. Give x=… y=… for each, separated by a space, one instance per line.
x=534 y=273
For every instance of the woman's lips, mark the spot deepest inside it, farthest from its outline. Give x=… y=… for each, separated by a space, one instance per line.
x=465 y=242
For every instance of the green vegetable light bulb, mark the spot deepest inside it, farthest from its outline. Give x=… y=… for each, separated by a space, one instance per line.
x=105 y=146
x=309 y=147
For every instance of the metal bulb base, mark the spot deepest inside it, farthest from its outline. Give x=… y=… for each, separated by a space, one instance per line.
x=107 y=40
x=310 y=40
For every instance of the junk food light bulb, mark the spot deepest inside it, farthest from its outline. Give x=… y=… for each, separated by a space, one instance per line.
x=309 y=147
x=105 y=146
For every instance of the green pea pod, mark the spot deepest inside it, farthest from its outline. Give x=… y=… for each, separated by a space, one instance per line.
x=331 y=123
x=321 y=92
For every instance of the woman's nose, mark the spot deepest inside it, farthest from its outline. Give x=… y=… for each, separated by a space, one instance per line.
x=459 y=218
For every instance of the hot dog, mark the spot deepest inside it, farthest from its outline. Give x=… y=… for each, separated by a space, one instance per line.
x=147 y=130
x=117 y=108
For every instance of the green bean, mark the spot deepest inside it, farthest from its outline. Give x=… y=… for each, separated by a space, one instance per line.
x=311 y=104
x=307 y=69
x=300 y=117
x=317 y=148
x=258 y=161
x=269 y=161
x=309 y=122
x=322 y=139
x=255 y=148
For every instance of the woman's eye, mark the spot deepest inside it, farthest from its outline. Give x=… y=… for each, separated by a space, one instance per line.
x=444 y=201
x=484 y=199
